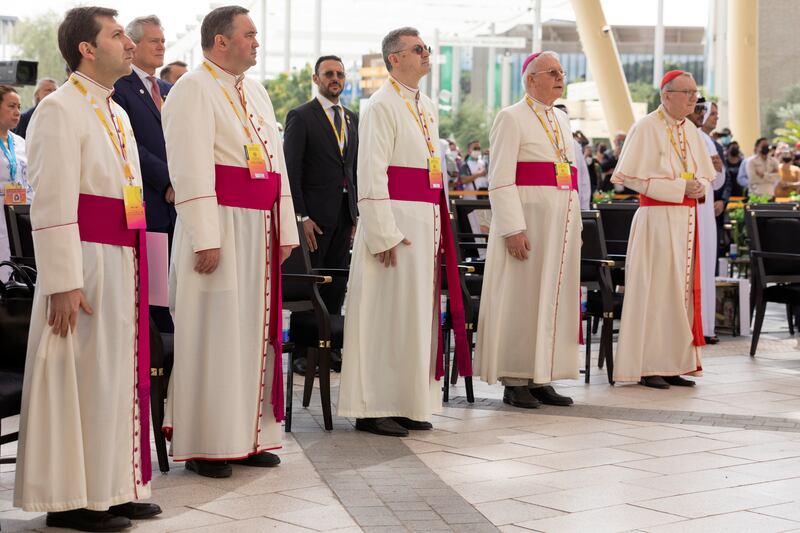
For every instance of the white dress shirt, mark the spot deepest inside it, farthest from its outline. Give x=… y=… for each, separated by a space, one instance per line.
x=327 y=106
x=144 y=77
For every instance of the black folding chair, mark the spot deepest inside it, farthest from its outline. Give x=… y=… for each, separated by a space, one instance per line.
x=603 y=303
x=775 y=257
x=20 y=234
x=311 y=327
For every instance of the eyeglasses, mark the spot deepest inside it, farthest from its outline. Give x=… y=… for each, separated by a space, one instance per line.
x=334 y=73
x=688 y=92
x=554 y=72
x=417 y=49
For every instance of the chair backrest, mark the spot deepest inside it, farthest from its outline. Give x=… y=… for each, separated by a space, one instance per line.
x=774 y=231
x=593 y=245
x=299 y=262
x=464 y=236
x=20 y=231
x=617 y=219
x=773 y=206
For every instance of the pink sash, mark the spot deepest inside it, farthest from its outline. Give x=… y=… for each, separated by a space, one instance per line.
x=235 y=188
x=541 y=174
x=102 y=220
x=412 y=185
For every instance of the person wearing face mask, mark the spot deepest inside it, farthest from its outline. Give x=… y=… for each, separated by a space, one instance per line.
x=321 y=148
x=473 y=169
x=762 y=171
x=733 y=162
x=789 y=173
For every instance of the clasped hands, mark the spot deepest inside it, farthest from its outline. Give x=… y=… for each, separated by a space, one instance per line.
x=695 y=189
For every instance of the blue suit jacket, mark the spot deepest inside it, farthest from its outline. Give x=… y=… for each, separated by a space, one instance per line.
x=132 y=95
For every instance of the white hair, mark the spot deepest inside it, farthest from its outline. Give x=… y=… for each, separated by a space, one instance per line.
x=532 y=65
x=134 y=27
x=671 y=83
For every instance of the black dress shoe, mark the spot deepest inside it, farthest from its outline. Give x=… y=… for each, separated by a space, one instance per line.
x=655 y=382
x=548 y=395
x=712 y=340
x=135 y=511
x=413 y=425
x=679 y=381
x=520 y=397
x=261 y=460
x=381 y=426
x=215 y=469
x=300 y=365
x=86 y=520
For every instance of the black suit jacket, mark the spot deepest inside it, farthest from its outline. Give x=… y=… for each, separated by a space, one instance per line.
x=24 y=120
x=316 y=168
x=134 y=97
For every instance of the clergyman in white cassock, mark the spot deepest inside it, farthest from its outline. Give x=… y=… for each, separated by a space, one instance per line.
x=392 y=360
x=84 y=448
x=665 y=160
x=529 y=326
x=236 y=224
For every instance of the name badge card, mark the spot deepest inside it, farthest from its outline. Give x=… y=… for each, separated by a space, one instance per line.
x=255 y=161
x=563 y=176
x=15 y=194
x=435 y=178
x=132 y=196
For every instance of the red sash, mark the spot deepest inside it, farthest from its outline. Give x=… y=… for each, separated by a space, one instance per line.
x=541 y=174
x=697 y=322
x=102 y=220
x=412 y=185
x=235 y=188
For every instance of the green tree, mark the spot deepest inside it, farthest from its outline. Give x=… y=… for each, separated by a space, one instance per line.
x=469 y=123
x=288 y=91
x=645 y=92
x=37 y=39
x=776 y=113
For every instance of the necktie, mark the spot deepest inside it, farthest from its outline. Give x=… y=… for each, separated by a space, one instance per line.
x=155 y=92
x=337 y=121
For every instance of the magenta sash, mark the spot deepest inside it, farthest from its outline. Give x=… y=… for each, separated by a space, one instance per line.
x=235 y=188
x=102 y=220
x=412 y=185
x=541 y=174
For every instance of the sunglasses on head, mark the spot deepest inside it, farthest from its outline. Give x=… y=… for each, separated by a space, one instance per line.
x=417 y=49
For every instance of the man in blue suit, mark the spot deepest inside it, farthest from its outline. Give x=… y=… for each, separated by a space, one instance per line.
x=141 y=94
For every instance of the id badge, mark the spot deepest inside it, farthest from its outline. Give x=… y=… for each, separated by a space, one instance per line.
x=134 y=206
x=563 y=176
x=688 y=176
x=15 y=194
x=255 y=161
x=435 y=173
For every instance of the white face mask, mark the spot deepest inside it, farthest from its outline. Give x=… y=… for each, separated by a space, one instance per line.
x=475 y=154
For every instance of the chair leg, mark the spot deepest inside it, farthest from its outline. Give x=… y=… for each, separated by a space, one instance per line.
x=761 y=308
x=445 y=377
x=311 y=369
x=595 y=324
x=790 y=318
x=325 y=386
x=468 y=379
x=588 y=341
x=289 y=392
x=607 y=347
x=157 y=415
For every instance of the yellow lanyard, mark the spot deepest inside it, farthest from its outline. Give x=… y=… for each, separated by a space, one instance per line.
x=560 y=151
x=679 y=151
x=118 y=138
x=339 y=134
x=419 y=118
x=239 y=116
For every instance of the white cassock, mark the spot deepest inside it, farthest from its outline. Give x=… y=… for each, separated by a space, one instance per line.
x=707 y=226
x=658 y=333
x=390 y=329
x=530 y=310
x=79 y=440
x=220 y=400
x=21 y=177
x=584 y=180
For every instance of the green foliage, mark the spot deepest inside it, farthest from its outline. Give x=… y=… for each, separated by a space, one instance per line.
x=776 y=113
x=790 y=134
x=37 y=39
x=288 y=91
x=469 y=123
x=758 y=199
x=603 y=197
x=645 y=92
